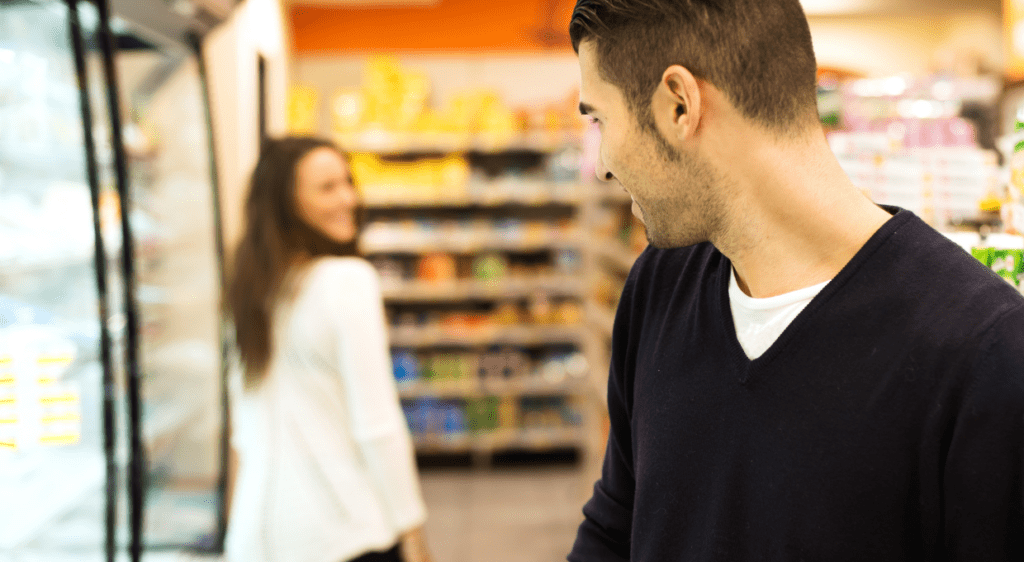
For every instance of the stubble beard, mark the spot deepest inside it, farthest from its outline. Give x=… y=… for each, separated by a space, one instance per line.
x=691 y=208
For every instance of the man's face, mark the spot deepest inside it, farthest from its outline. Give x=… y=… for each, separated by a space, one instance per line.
x=673 y=189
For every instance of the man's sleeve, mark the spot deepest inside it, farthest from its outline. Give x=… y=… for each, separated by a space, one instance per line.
x=984 y=495
x=605 y=532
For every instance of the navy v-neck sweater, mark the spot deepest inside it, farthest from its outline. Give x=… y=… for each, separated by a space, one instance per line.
x=886 y=422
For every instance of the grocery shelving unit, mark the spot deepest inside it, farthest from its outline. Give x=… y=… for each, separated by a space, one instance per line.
x=518 y=218
x=615 y=242
x=477 y=290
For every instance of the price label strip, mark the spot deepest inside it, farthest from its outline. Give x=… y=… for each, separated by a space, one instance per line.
x=60 y=417
x=8 y=404
x=8 y=419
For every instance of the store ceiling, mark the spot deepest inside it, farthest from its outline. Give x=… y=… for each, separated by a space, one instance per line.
x=895 y=7
x=812 y=7
x=364 y=3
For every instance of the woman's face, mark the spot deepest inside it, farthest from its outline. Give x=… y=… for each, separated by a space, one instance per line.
x=324 y=195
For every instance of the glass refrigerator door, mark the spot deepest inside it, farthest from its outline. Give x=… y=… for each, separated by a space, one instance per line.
x=173 y=220
x=53 y=467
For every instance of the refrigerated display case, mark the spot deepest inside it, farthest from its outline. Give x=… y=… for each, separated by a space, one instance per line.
x=111 y=341
x=57 y=463
x=178 y=290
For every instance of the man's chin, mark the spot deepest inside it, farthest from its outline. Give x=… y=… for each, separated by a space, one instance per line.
x=665 y=243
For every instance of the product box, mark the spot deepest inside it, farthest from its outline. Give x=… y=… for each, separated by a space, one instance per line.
x=1007 y=263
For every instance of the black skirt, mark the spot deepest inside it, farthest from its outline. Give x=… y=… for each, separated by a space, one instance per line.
x=392 y=555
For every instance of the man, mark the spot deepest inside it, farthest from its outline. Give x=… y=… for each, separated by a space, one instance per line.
x=797 y=373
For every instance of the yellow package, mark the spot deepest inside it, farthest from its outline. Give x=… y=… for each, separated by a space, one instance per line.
x=303 y=109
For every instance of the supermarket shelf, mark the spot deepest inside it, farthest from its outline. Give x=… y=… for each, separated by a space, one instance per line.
x=456 y=291
x=486 y=442
x=518 y=335
x=477 y=388
x=418 y=245
x=469 y=201
x=381 y=142
x=617 y=254
x=602 y=317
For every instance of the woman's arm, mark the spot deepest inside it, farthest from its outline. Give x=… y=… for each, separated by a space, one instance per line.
x=414 y=546
x=378 y=425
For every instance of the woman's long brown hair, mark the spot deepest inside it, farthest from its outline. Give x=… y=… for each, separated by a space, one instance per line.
x=276 y=239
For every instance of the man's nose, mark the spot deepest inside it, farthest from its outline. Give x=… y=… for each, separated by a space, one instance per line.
x=602 y=172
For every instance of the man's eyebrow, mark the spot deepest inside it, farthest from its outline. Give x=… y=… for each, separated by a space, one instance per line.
x=586 y=108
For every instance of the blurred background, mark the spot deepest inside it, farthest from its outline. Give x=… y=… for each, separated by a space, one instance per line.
x=128 y=130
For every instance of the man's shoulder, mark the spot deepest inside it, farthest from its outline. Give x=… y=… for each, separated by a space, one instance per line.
x=929 y=266
x=936 y=296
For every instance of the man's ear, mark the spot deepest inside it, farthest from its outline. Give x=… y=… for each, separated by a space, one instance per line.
x=676 y=104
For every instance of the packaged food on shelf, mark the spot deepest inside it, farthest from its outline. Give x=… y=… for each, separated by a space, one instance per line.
x=1012 y=216
x=548 y=413
x=436 y=267
x=906 y=141
x=568 y=313
x=490 y=267
x=1011 y=205
x=564 y=166
x=303 y=117
x=449 y=367
x=509 y=314
x=561 y=366
x=1004 y=255
x=464 y=324
x=406 y=366
x=447 y=420
x=606 y=290
x=429 y=417
x=541 y=310
x=502 y=365
x=866 y=101
x=390 y=110
x=422 y=180
x=637 y=237
x=455 y=421
x=391 y=271
x=1007 y=264
x=508 y=412
x=482 y=413
x=567 y=262
x=941 y=184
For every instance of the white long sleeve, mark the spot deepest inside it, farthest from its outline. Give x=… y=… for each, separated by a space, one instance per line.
x=378 y=425
x=327 y=469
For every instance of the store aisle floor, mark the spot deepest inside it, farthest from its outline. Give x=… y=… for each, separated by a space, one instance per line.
x=503 y=515
x=499 y=515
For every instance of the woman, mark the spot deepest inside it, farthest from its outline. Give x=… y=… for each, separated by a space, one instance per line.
x=326 y=471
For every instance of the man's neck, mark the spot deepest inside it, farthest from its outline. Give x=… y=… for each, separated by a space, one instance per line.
x=797 y=219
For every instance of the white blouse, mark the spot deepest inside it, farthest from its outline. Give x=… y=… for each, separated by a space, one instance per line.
x=326 y=464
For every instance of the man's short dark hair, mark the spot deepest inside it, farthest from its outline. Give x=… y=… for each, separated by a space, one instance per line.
x=757 y=52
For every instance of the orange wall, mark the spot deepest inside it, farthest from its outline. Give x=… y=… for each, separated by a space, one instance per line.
x=447 y=26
